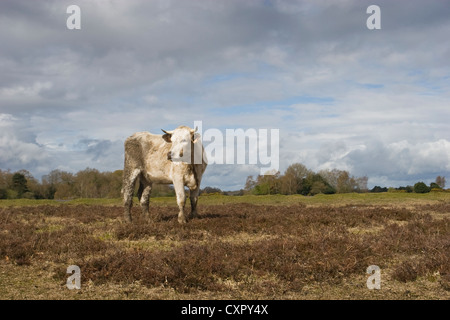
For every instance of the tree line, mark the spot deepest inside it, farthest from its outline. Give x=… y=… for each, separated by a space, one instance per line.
x=91 y=183
x=58 y=184
x=419 y=187
x=298 y=179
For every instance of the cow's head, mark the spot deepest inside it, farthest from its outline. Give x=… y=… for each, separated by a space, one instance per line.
x=182 y=139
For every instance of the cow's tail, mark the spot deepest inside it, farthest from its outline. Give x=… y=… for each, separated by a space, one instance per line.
x=140 y=190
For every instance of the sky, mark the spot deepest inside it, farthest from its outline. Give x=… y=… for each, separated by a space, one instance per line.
x=373 y=102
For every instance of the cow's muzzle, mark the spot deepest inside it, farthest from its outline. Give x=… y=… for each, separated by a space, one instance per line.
x=170 y=155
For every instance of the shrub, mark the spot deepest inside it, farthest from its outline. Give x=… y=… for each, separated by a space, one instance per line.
x=11 y=194
x=421 y=187
x=28 y=195
x=378 y=189
x=434 y=185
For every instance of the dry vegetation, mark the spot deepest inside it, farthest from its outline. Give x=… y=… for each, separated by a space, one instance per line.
x=233 y=251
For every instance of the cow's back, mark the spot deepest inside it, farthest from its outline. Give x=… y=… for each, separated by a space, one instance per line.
x=140 y=146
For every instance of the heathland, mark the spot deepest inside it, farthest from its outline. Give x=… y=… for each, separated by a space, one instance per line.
x=241 y=247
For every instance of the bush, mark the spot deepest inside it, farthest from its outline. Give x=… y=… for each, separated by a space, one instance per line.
x=378 y=189
x=421 y=187
x=434 y=185
x=28 y=195
x=11 y=194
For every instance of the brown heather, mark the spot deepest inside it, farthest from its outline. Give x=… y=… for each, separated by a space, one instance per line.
x=274 y=251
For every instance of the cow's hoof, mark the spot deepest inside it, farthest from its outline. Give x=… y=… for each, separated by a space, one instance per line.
x=193 y=215
x=182 y=220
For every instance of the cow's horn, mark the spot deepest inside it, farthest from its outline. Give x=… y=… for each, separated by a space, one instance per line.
x=168 y=132
x=194 y=130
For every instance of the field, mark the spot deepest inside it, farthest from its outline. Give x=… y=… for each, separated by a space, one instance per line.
x=249 y=247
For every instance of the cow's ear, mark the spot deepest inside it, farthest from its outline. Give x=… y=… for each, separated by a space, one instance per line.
x=167 y=136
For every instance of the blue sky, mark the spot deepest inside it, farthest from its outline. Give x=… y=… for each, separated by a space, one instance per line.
x=373 y=102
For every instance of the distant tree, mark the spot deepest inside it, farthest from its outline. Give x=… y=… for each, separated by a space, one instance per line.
x=50 y=183
x=12 y=194
x=89 y=183
x=421 y=187
x=3 y=178
x=19 y=184
x=361 y=184
x=207 y=190
x=63 y=182
x=342 y=182
x=440 y=181
x=331 y=176
x=378 y=189
x=314 y=184
x=261 y=189
x=250 y=184
x=434 y=185
x=267 y=184
x=48 y=189
x=5 y=183
x=408 y=189
x=263 y=184
x=35 y=190
x=114 y=184
x=291 y=182
x=297 y=179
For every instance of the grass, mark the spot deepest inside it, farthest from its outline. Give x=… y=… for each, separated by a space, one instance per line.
x=385 y=198
x=260 y=247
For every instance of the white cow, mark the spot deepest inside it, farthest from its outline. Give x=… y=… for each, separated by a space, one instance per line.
x=177 y=158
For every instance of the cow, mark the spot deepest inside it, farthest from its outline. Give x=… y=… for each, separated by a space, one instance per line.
x=176 y=157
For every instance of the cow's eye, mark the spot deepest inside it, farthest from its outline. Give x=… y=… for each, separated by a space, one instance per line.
x=184 y=140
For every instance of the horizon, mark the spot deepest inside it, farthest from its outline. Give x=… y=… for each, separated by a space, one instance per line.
x=41 y=180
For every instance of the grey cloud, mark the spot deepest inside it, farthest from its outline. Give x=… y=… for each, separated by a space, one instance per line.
x=102 y=150
x=18 y=146
x=140 y=43
x=330 y=151
x=95 y=83
x=402 y=159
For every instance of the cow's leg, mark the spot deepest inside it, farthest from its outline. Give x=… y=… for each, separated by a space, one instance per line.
x=181 y=200
x=145 y=197
x=193 y=197
x=129 y=181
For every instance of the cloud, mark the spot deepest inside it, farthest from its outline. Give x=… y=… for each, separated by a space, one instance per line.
x=18 y=146
x=395 y=160
x=373 y=102
x=20 y=149
x=104 y=153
